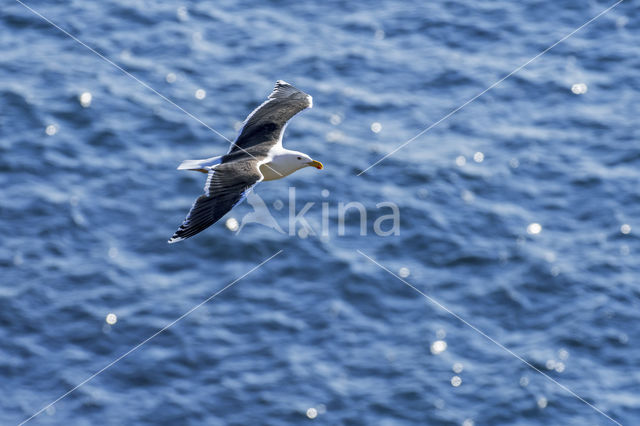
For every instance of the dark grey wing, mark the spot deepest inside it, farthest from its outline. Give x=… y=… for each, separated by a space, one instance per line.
x=266 y=123
x=226 y=186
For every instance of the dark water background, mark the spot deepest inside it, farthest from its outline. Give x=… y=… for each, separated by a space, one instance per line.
x=85 y=213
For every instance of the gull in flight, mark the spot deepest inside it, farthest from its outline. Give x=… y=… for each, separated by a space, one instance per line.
x=256 y=155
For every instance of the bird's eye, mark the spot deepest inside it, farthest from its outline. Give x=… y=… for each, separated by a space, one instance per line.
x=299 y=158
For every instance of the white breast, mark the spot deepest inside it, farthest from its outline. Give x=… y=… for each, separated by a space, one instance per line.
x=274 y=170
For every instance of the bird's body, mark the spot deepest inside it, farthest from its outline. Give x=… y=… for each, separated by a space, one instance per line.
x=256 y=155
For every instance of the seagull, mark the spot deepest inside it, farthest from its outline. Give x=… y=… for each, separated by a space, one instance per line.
x=256 y=155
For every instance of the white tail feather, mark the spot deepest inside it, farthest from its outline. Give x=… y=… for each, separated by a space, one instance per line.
x=199 y=164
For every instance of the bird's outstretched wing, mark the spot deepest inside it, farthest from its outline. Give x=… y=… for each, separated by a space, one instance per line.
x=227 y=185
x=267 y=122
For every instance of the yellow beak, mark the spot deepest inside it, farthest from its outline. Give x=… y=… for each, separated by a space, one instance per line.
x=318 y=165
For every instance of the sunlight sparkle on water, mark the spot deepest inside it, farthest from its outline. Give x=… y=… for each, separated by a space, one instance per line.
x=171 y=78
x=51 y=130
x=232 y=224
x=622 y=21
x=456 y=381
x=457 y=367
x=376 y=127
x=534 y=228
x=438 y=347
x=201 y=94
x=85 y=99
x=542 y=402
x=404 y=272
x=478 y=157
x=334 y=136
x=335 y=119
x=468 y=422
x=579 y=89
x=625 y=228
x=182 y=13
x=111 y=319
x=461 y=160
x=312 y=413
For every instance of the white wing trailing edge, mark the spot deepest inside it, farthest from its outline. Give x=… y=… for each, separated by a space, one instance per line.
x=200 y=165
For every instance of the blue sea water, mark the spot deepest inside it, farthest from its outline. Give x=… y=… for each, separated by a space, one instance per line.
x=519 y=214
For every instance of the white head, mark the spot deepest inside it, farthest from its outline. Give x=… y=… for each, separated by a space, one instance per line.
x=295 y=160
x=285 y=162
